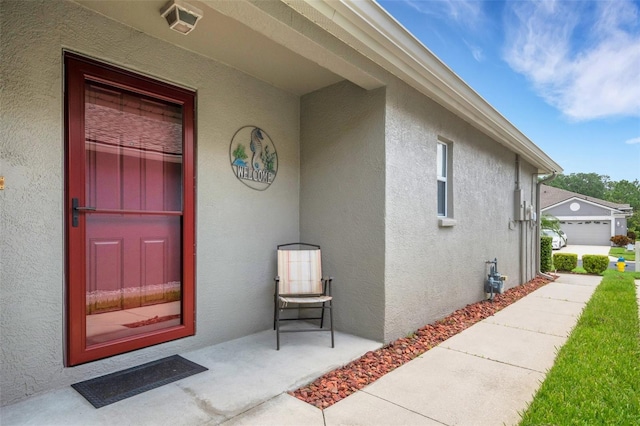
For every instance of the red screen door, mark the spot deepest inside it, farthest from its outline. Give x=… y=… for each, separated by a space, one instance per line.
x=130 y=211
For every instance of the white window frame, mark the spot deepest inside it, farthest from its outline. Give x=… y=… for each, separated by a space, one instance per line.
x=442 y=172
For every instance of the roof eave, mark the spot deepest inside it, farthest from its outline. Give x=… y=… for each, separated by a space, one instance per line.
x=408 y=59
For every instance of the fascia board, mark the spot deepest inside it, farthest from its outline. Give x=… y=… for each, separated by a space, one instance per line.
x=398 y=51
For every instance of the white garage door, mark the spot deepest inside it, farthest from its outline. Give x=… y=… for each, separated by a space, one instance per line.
x=586 y=232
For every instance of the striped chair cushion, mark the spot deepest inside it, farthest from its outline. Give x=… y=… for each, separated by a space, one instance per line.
x=300 y=272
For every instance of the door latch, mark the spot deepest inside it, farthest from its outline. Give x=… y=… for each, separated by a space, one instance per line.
x=76 y=209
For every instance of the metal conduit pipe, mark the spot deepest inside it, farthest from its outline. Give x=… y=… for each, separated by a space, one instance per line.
x=522 y=252
x=520 y=227
x=539 y=219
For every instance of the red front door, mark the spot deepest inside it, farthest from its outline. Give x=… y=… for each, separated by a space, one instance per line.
x=130 y=210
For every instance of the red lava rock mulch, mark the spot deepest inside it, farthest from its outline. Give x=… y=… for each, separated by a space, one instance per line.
x=338 y=384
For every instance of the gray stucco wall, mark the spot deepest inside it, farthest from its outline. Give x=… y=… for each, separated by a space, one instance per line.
x=237 y=228
x=396 y=269
x=584 y=209
x=342 y=199
x=620 y=226
x=430 y=270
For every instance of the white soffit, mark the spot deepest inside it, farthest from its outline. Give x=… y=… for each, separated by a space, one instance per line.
x=368 y=28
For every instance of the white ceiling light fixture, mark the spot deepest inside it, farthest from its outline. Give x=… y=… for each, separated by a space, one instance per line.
x=181 y=16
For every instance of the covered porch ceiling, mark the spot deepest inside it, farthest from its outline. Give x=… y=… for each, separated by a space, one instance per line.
x=245 y=37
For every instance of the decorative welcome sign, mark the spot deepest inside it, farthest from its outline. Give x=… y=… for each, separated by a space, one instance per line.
x=253 y=157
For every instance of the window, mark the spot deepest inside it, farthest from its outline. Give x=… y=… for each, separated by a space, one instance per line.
x=442 y=172
x=444 y=183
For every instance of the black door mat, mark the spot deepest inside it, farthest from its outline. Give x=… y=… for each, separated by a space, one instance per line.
x=123 y=384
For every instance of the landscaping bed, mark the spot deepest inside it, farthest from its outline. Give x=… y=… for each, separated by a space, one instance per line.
x=338 y=384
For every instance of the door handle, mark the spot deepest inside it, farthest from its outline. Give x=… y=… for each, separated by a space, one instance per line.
x=76 y=209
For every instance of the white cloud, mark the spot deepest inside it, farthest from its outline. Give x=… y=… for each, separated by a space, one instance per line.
x=476 y=51
x=633 y=141
x=582 y=57
x=465 y=12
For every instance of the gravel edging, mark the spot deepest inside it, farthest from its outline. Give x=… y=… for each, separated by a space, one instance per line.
x=344 y=381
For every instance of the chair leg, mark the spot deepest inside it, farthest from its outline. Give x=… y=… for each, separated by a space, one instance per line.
x=277 y=325
x=322 y=315
x=275 y=309
x=331 y=319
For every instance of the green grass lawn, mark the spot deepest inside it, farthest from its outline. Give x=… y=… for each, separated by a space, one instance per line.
x=629 y=255
x=596 y=376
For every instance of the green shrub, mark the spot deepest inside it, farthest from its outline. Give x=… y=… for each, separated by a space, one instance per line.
x=546 y=261
x=565 y=261
x=632 y=236
x=595 y=263
x=620 y=240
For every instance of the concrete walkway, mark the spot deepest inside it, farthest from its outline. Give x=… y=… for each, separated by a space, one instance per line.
x=485 y=375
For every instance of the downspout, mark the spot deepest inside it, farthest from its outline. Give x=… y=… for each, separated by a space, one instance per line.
x=538 y=220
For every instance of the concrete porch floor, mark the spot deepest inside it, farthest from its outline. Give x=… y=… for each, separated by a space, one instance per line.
x=505 y=356
x=242 y=374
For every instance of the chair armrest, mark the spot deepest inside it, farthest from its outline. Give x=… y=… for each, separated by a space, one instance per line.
x=326 y=284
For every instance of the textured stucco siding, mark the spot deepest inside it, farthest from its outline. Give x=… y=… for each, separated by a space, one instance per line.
x=237 y=228
x=342 y=199
x=430 y=270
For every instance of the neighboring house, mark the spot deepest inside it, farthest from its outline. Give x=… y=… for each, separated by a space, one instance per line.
x=149 y=176
x=585 y=220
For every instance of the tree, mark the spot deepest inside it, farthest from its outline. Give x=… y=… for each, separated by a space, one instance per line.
x=633 y=222
x=625 y=192
x=549 y=222
x=589 y=184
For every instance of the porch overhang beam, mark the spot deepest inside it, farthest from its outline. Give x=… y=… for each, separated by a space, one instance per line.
x=276 y=29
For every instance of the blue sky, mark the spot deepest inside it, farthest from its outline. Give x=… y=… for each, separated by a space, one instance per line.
x=566 y=73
